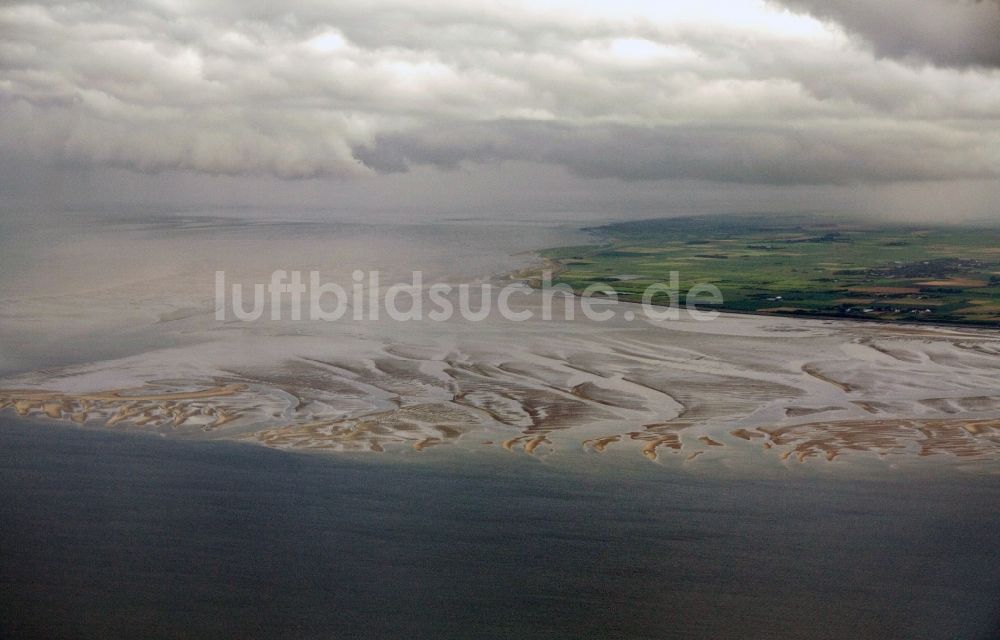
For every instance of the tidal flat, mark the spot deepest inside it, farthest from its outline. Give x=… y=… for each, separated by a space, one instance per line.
x=740 y=389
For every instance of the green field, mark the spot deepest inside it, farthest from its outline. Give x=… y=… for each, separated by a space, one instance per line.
x=793 y=265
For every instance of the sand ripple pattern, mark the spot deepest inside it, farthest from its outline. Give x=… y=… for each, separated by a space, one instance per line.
x=785 y=390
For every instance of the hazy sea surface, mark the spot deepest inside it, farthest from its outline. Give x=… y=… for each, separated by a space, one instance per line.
x=750 y=477
x=114 y=535
x=76 y=287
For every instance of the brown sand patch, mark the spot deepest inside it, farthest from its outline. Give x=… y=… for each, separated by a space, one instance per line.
x=529 y=443
x=744 y=434
x=869 y=406
x=52 y=409
x=532 y=444
x=967 y=439
x=420 y=445
x=140 y=407
x=418 y=425
x=814 y=372
x=599 y=444
x=796 y=412
x=670 y=440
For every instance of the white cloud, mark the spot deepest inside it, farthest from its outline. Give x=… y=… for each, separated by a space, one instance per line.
x=743 y=92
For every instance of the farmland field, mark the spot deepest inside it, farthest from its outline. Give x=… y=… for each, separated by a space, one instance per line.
x=801 y=266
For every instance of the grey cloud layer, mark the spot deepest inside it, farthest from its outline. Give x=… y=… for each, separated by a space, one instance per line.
x=947 y=32
x=310 y=90
x=771 y=155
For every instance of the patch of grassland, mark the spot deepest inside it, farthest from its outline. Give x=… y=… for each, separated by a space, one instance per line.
x=797 y=265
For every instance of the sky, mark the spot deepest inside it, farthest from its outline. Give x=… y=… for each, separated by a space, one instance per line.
x=505 y=109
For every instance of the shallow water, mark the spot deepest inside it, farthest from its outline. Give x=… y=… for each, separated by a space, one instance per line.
x=113 y=535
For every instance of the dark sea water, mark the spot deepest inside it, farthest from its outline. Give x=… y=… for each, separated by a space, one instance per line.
x=106 y=535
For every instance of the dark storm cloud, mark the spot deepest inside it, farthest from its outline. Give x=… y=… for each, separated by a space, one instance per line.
x=346 y=90
x=945 y=32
